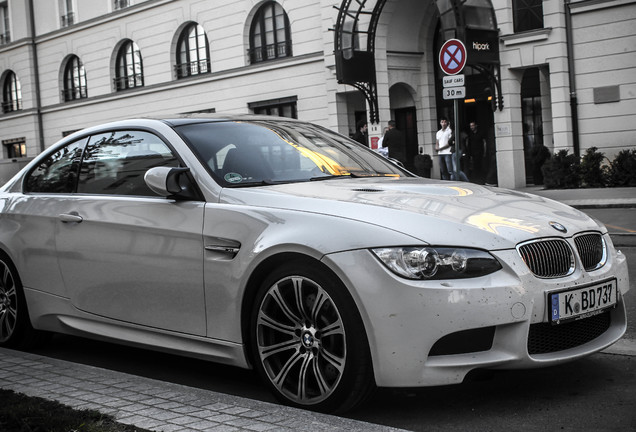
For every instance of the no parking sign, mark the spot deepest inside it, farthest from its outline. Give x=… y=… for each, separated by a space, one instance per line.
x=452 y=56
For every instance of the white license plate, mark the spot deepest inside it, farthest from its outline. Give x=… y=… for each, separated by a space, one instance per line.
x=582 y=302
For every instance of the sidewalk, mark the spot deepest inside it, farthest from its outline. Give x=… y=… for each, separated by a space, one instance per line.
x=593 y=199
x=162 y=406
x=588 y=198
x=157 y=405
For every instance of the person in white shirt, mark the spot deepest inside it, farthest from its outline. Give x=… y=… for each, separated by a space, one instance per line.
x=443 y=147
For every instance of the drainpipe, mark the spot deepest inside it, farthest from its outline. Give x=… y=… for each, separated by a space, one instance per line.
x=36 y=73
x=573 y=99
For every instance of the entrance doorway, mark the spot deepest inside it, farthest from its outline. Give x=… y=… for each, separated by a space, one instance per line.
x=532 y=125
x=406 y=122
x=481 y=165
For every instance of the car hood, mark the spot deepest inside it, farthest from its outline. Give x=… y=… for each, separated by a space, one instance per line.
x=434 y=212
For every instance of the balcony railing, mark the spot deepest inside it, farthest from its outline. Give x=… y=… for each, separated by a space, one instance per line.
x=5 y=38
x=67 y=20
x=123 y=83
x=74 y=93
x=10 y=106
x=270 y=52
x=121 y=4
x=193 y=68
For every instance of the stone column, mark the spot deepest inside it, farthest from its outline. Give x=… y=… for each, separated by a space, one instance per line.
x=511 y=171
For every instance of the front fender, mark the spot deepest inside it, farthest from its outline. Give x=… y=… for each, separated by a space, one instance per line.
x=263 y=233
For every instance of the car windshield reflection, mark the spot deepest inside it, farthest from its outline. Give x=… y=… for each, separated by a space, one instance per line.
x=257 y=153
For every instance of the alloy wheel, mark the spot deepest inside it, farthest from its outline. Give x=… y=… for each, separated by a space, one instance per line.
x=301 y=340
x=8 y=303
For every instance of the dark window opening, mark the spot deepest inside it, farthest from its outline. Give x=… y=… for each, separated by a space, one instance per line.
x=527 y=15
x=285 y=107
x=67 y=17
x=121 y=4
x=11 y=94
x=192 y=52
x=15 y=148
x=128 y=68
x=532 y=125
x=5 y=35
x=270 y=36
x=74 y=80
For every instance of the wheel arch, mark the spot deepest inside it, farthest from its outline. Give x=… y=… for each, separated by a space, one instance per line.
x=262 y=271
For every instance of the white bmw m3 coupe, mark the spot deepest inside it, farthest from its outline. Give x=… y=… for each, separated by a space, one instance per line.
x=274 y=244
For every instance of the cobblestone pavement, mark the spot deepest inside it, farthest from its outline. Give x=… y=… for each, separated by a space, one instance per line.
x=157 y=405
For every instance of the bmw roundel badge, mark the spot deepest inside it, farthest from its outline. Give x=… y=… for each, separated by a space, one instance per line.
x=557 y=226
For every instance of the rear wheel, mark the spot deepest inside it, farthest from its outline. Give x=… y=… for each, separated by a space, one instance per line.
x=309 y=343
x=15 y=328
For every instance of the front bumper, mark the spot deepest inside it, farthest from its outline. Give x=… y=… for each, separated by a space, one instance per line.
x=407 y=319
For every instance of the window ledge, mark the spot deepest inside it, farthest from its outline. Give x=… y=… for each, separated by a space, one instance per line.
x=527 y=36
x=589 y=6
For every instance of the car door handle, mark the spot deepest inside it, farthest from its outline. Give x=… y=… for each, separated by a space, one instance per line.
x=72 y=217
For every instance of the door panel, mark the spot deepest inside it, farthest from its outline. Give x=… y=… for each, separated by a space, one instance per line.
x=30 y=220
x=124 y=252
x=135 y=259
x=28 y=226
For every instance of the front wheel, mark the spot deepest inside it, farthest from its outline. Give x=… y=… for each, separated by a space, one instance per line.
x=308 y=340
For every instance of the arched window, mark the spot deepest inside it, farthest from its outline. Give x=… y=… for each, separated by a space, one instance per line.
x=74 y=80
x=128 y=68
x=11 y=93
x=192 y=52
x=270 y=36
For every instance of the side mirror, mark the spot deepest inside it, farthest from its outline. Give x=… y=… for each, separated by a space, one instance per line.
x=171 y=182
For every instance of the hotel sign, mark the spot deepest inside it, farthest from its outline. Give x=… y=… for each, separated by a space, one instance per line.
x=482 y=46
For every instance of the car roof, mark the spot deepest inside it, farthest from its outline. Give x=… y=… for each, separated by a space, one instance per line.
x=174 y=120
x=184 y=119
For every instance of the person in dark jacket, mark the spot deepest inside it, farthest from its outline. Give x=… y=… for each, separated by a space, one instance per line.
x=361 y=133
x=395 y=142
x=476 y=150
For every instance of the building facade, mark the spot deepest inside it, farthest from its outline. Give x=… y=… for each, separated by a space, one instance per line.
x=566 y=70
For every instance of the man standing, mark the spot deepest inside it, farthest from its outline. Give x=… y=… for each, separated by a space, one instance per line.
x=394 y=141
x=476 y=150
x=442 y=145
x=361 y=133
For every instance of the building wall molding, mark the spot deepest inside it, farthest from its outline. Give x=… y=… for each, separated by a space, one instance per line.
x=189 y=81
x=593 y=5
x=526 y=37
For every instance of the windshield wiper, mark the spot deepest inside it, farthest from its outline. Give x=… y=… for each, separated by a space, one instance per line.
x=264 y=182
x=270 y=182
x=338 y=176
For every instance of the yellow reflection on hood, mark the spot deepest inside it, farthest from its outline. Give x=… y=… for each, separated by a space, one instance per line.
x=493 y=223
x=461 y=191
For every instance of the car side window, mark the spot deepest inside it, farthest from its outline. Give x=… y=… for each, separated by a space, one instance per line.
x=58 y=172
x=115 y=163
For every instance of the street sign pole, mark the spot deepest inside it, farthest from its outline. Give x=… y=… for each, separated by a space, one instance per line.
x=457 y=140
x=452 y=59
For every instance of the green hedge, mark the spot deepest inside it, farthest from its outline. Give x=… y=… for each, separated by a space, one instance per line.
x=593 y=170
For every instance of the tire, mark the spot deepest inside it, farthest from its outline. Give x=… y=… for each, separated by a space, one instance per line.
x=15 y=327
x=308 y=341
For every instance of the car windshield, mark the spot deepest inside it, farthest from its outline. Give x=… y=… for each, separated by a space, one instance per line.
x=240 y=153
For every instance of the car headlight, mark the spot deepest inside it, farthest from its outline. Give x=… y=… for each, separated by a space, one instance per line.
x=437 y=262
